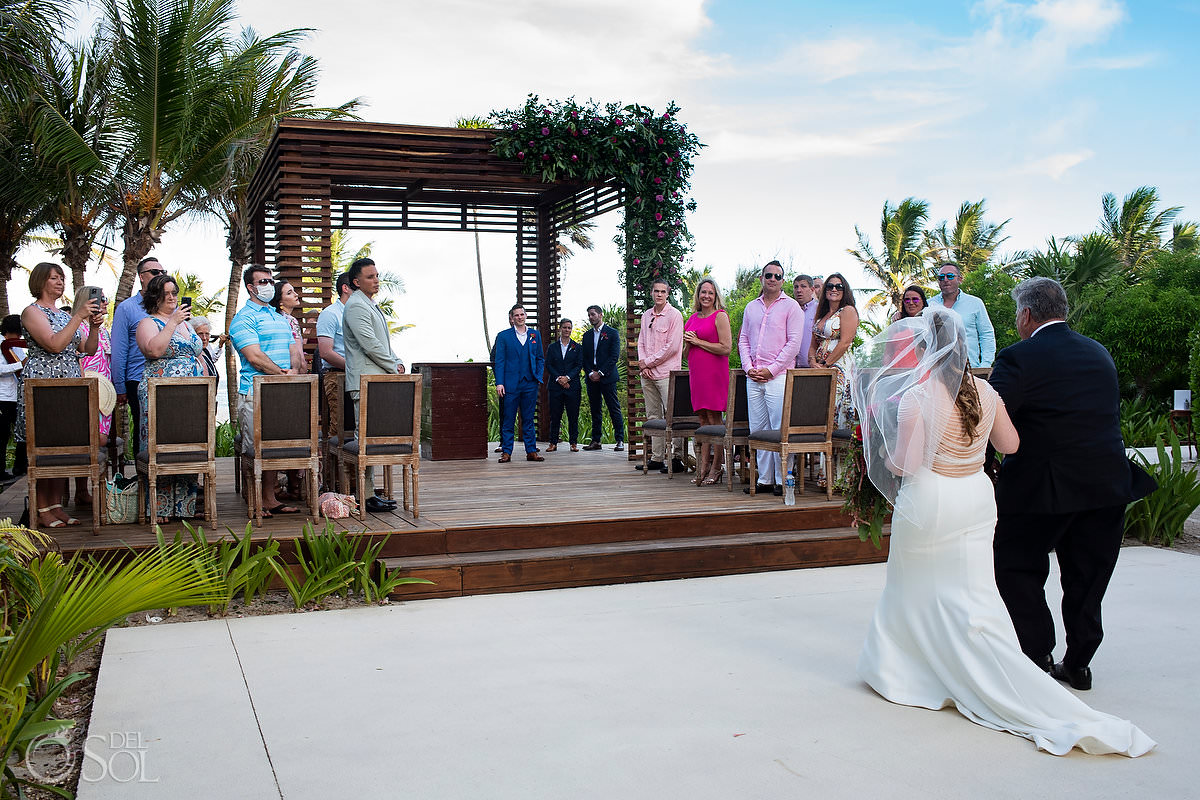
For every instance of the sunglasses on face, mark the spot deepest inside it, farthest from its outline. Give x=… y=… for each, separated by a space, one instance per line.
x=264 y=281
x=154 y=272
x=774 y=276
x=947 y=276
x=912 y=301
x=834 y=287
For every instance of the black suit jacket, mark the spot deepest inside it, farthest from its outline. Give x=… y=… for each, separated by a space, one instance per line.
x=1061 y=390
x=557 y=366
x=604 y=356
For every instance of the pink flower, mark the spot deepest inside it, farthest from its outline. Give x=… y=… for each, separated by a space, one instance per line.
x=574 y=115
x=574 y=157
x=574 y=132
x=658 y=197
x=647 y=120
x=521 y=155
x=670 y=160
x=585 y=131
x=516 y=127
x=637 y=199
x=545 y=157
x=531 y=142
x=658 y=180
x=545 y=131
x=658 y=216
x=661 y=234
x=637 y=261
x=660 y=141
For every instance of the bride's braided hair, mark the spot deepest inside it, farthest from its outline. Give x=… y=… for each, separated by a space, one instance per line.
x=966 y=398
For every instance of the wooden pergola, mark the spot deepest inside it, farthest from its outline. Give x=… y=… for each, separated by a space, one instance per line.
x=321 y=175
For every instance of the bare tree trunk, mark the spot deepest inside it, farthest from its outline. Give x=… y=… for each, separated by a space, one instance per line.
x=7 y=264
x=76 y=251
x=487 y=338
x=140 y=237
x=238 y=240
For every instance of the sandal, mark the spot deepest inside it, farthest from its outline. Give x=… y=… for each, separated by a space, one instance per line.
x=54 y=522
x=713 y=480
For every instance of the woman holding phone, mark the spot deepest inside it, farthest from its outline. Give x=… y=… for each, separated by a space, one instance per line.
x=55 y=344
x=172 y=350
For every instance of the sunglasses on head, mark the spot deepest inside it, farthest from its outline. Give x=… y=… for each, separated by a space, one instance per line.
x=834 y=287
x=154 y=272
x=947 y=276
x=775 y=276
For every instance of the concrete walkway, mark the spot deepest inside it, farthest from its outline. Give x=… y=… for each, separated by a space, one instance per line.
x=732 y=687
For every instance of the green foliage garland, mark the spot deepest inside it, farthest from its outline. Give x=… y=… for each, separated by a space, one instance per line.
x=863 y=502
x=650 y=154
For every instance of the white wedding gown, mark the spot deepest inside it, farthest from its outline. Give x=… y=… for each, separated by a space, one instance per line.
x=941 y=633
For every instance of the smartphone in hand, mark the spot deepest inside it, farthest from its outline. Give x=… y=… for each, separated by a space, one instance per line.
x=186 y=302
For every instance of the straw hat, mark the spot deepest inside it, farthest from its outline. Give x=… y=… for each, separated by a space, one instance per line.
x=108 y=395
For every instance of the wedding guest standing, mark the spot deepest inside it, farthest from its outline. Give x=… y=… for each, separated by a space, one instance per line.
x=601 y=351
x=520 y=365
x=767 y=344
x=707 y=342
x=912 y=303
x=127 y=359
x=99 y=364
x=833 y=334
x=172 y=350
x=564 y=362
x=55 y=345
x=660 y=350
x=802 y=291
x=981 y=336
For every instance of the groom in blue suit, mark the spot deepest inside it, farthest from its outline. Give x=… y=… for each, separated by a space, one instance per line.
x=519 y=365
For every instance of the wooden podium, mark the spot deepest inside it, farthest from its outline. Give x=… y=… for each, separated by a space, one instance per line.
x=454 y=410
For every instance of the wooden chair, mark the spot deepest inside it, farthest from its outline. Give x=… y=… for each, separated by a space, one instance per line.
x=736 y=428
x=389 y=433
x=681 y=420
x=66 y=443
x=182 y=439
x=808 y=399
x=285 y=435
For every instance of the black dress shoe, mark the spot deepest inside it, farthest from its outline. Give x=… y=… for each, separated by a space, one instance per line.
x=777 y=490
x=1045 y=663
x=651 y=466
x=678 y=466
x=1080 y=678
x=377 y=506
x=761 y=488
x=592 y=446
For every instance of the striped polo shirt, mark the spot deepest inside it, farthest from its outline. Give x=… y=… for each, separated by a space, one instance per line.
x=267 y=328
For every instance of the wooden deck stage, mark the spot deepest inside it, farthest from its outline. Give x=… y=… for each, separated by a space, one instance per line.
x=575 y=519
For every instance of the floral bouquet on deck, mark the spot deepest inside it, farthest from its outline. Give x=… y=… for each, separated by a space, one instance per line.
x=864 y=502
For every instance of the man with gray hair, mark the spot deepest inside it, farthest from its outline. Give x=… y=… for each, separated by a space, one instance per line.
x=1067 y=486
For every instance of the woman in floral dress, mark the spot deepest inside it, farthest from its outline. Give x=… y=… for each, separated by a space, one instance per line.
x=833 y=334
x=172 y=350
x=55 y=344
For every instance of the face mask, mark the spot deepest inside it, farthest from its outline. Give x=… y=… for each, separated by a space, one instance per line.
x=265 y=293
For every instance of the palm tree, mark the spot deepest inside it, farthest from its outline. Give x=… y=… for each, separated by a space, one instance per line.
x=25 y=188
x=905 y=249
x=27 y=27
x=203 y=304
x=1076 y=264
x=971 y=243
x=175 y=78
x=1136 y=228
x=71 y=113
x=1185 y=237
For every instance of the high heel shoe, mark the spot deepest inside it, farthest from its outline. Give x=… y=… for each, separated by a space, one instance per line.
x=713 y=480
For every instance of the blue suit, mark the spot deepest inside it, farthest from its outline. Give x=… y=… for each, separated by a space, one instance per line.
x=519 y=370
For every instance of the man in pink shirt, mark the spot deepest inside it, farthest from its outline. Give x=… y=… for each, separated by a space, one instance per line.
x=772 y=329
x=660 y=350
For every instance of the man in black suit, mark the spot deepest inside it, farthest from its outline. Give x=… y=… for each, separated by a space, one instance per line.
x=1067 y=486
x=601 y=346
x=564 y=361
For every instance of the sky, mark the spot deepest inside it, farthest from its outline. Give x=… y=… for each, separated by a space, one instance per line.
x=813 y=116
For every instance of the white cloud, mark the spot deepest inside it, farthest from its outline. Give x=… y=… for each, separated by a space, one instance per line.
x=1056 y=165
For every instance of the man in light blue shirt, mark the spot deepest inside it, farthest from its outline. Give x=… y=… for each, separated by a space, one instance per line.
x=128 y=362
x=263 y=339
x=981 y=336
x=331 y=349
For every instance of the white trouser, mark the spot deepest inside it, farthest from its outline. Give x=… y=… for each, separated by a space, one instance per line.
x=765 y=403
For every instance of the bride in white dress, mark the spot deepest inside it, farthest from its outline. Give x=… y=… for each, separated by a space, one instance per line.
x=941 y=633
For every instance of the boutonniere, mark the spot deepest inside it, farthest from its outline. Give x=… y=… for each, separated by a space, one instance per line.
x=603 y=336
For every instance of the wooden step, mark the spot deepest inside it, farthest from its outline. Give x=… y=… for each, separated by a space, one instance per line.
x=515 y=570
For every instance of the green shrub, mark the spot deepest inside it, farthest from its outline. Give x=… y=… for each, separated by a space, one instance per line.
x=1143 y=421
x=993 y=285
x=1162 y=513
x=1194 y=366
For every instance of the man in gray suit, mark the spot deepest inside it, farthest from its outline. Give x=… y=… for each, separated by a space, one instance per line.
x=368 y=348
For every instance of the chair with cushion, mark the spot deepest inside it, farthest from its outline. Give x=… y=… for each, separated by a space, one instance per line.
x=680 y=423
x=389 y=433
x=736 y=429
x=182 y=439
x=285 y=435
x=808 y=400
x=62 y=436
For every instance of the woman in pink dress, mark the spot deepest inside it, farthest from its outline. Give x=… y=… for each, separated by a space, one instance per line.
x=707 y=340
